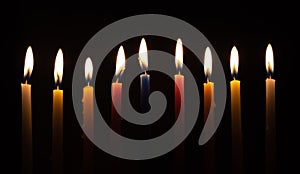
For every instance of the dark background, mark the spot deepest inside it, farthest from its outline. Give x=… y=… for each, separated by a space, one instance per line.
x=48 y=26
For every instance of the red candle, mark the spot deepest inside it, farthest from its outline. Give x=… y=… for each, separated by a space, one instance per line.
x=179 y=105
x=117 y=92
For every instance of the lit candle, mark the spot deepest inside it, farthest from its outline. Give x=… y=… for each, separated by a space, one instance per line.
x=88 y=119
x=209 y=105
x=57 y=119
x=117 y=92
x=270 y=114
x=179 y=79
x=236 y=127
x=144 y=78
x=179 y=104
x=27 y=115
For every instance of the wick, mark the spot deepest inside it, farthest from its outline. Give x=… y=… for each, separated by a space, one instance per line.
x=25 y=81
x=117 y=80
x=57 y=87
x=233 y=77
x=145 y=72
x=88 y=83
x=179 y=72
x=207 y=79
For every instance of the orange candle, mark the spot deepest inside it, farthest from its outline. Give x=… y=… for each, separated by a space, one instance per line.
x=236 y=127
x=117 y=92
x=88 y=119
x=209 y=104
x=270 y=114
x=57 y=119
x=27 y=115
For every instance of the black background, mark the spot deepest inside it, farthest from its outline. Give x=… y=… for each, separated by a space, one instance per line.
x=48 y=26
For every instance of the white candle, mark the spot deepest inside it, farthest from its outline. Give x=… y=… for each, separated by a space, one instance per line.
x=271 y=161
x=236 y=126
x=88 y=119
x=27 y=115
x=57 y=119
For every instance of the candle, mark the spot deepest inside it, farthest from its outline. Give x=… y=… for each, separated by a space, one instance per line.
x=179 y=103
x=270 y=114
x=57 y=119
x=117 y=92
x=27 y=115
x=144 y=78
x=236 y=127
x=88 y=119
x=209 y=149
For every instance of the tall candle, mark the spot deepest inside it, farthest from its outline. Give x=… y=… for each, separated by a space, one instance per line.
x=116 y=90
x=209 y=104
x=270 y=114
x=236 y=127
x=27 y=115
x=88 y=119
x=179 y=104
x=57 y=119
x=144 y=78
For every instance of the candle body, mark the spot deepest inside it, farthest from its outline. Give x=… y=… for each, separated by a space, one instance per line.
x=179 y=112
x=270 y=127
x=209 y=148
x=88 y=124
x=145 y=90
x=179 y=97
x=116 y=105
x=236 y=127
x=26 y=129
x=57 y=132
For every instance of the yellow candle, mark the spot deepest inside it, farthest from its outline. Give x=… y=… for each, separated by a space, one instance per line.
x=57 y=119
x=88 y=119
x=209 y=104
x=270 y=114
x=27 y=115
x=236 y=126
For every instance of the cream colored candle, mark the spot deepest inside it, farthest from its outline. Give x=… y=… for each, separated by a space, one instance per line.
x=27 y=115
x=57 y=117
x=88 y=119
x=236 y=122
x=271 y=154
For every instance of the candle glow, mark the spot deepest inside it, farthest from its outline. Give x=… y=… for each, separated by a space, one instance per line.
x=207 y=62
x=88 y=69
x=234 y=61
x=269 y=60
x=28 y=66
x=179 y=55
x=120 y=63
x=143 y=55
x=58 y=68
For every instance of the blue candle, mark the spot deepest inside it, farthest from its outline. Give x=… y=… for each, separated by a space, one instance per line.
x=144 y=78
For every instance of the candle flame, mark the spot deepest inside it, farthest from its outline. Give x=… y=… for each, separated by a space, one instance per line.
x=234 y=61
x=58 y=67
x=269 y=59
x=179 y=55
x=207 y=62
x=28 y=66
x=143 y=55
x=88 y=69
x=120 y=64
